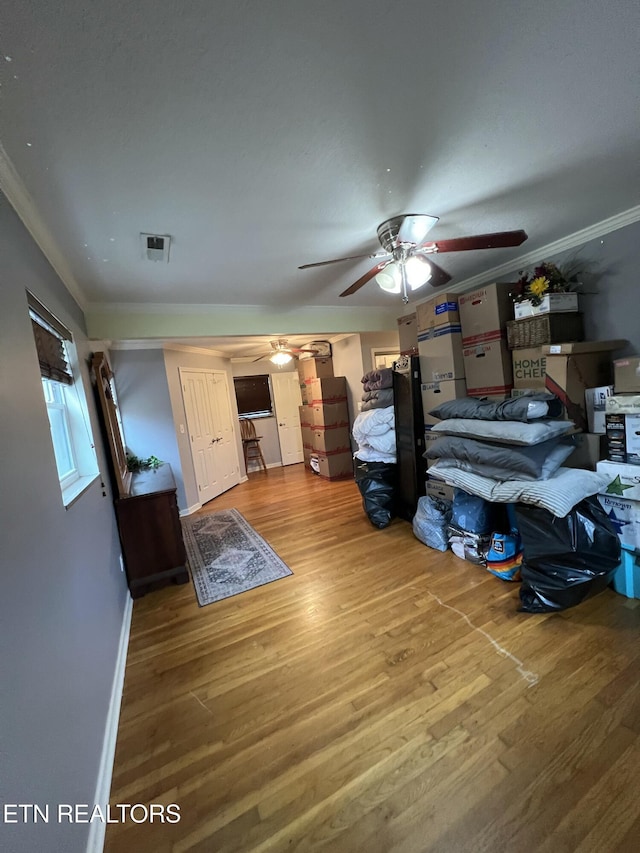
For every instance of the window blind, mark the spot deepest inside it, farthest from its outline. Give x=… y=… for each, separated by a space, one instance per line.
x=50 y=334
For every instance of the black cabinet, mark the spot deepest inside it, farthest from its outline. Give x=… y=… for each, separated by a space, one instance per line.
x=409 y=425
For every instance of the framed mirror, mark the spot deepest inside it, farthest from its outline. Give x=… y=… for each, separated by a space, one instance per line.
x=108 y=403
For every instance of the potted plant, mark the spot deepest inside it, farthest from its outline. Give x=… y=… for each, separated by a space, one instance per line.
x=547 y=289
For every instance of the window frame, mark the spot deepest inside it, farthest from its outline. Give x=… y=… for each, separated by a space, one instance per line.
x=69 y=398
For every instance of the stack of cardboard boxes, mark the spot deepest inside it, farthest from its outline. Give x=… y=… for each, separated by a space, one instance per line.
x=324 y=419
x=621 y=497
x=441 y=366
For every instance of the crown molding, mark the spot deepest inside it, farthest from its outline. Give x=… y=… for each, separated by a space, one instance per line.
x=21 y=201
x=150 y=344
x=578 y=238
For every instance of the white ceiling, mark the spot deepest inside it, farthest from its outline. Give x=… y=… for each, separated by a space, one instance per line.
x=265 y=135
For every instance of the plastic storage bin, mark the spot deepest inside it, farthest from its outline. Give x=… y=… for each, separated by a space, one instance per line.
x=626 y=579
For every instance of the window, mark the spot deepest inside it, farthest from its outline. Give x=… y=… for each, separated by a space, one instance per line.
x=71 y=436
x=253 y=395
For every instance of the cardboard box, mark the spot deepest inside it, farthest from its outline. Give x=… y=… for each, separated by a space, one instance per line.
x=483 y=311
x=590 y=448
x=440 y=352
x=305 y=416
x=626 y=372
x=329 y=414
x=488 y=369
x=438 y=489
x=326 y=390
x=408 y=334
x=335 y=466
x=435 y=393
x=330 y=439
x=529 y=368
x=440 y=310
x=524 y=392
x=583 y=347
x=623 y=429
x=307 y=436
x=595 y=400
x=625 y=517
x=568 y=377
x=551 y=303
x=624 y=480
x=314 y=368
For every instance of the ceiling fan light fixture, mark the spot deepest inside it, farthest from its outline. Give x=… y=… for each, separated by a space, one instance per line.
x=418 y=271
x=389 y=279
x=281 y=358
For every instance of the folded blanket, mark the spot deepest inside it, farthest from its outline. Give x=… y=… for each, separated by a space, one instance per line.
x=514 y=409
x=377 y=399
x=559 y=494
x=375 y=429
x=378 y=379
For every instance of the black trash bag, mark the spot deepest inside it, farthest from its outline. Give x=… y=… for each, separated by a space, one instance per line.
x=566 y=560
x=377 y=484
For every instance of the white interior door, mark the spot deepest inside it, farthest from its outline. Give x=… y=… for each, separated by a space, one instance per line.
x=286 y=399
x=208 y=414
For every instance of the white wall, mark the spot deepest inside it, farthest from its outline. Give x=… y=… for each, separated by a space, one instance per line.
x=63 y=595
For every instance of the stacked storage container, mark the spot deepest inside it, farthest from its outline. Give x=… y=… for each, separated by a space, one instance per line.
x=324 y=419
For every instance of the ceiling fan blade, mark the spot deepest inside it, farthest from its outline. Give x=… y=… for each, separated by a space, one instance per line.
x=438 y=275
x=365 y=278
x=497 y=240
x=337 y=260
x=415 y=227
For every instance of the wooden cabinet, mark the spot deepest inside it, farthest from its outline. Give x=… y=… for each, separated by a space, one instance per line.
x=151 y=533
x=146 y=505
x=409 y=425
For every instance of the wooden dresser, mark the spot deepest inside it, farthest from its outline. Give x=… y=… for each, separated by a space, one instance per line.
x=151 y=533
x=146 y=505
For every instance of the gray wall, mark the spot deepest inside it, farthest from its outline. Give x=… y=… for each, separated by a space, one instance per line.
x=145 y=407
x=63 y=594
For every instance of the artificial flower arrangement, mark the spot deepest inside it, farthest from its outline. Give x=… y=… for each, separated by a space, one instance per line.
x=135 y=463
x=546 y=278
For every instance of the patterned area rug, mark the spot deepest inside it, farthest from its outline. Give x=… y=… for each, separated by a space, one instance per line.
x=227 y=556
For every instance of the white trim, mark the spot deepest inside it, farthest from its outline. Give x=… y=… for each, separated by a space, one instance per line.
x=592 y=232
x=190 y=510
x=97 y=829
x=142 y=344
x=20 y=200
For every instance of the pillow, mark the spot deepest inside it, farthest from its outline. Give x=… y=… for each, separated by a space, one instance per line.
x=551 y=464
x=516 y=460
x=524 y=409
x=559 y=494
x=505 y=432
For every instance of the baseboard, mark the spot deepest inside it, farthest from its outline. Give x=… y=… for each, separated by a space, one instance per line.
x=189 y=510
x=97 y=829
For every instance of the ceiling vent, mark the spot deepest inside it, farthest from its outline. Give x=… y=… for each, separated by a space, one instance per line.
x=155 y=247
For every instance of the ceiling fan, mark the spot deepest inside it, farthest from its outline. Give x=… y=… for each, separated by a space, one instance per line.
x=282 y=353
x=403 y=263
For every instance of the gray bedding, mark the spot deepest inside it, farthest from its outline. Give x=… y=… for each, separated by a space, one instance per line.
x=498 y=460
x=514 y=409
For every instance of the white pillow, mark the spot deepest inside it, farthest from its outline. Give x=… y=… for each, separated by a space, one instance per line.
x=506 y=432
x=559 y=494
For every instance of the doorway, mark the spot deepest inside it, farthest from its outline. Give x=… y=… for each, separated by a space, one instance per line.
x=214 y=453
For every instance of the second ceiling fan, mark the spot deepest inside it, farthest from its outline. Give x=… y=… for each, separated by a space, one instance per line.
x=404 y=264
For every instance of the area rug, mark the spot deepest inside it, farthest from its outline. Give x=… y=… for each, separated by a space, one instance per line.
x=227 y=556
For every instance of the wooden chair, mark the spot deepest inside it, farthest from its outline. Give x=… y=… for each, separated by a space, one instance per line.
x=251 y=444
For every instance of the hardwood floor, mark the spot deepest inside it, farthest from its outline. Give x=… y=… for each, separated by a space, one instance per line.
x=386 y=697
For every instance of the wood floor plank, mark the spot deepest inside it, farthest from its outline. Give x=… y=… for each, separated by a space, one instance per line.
x=385 y=697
